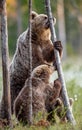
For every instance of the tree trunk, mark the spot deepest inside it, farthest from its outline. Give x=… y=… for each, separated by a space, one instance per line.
x=79 y=17
x=0 y=37
x=5 y=109
x=59 y=68
x=61 y=25
x=30 y=65
x=80 y=40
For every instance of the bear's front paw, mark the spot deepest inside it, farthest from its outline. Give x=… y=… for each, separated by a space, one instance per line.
x=59 y=102
x=57 y=85
x=58 y=46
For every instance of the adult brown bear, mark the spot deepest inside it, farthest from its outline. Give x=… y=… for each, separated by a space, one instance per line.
x=42 y=52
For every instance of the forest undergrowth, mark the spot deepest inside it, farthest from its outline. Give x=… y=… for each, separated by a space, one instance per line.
x=73 y=77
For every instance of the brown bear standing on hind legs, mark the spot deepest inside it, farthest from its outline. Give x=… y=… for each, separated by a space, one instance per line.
x=44 y=94
x=42 y=53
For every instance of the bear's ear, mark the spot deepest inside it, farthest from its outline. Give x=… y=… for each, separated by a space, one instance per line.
x=34 y=14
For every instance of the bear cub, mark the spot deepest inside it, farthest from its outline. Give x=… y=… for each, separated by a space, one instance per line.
x=44 y=94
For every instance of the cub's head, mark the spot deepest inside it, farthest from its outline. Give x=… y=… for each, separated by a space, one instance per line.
x=40 y=24
x=43 y=72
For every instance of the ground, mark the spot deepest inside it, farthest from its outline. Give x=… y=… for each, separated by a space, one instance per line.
x=73 y=77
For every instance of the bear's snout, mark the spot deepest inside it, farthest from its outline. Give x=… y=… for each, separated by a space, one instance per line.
x=48 y=23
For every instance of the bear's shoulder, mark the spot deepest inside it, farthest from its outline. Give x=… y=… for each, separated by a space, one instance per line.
x=22 y=37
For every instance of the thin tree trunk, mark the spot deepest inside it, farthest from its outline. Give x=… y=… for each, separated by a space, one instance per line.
x=61 y=25
x=0 y=37
x=80 y=40
x=5 y=110
x=59 y=68
x=79 y=17
x=30 y=65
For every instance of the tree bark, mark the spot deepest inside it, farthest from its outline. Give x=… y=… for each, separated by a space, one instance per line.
x=79 y=17
x=59 y=68
x=30 y=65
x=0 y=37
x=61 y=25
x=5 y=108
x=80 y=39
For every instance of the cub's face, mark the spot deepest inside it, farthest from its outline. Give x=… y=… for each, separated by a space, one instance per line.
x=43 y=72
x=40 y=22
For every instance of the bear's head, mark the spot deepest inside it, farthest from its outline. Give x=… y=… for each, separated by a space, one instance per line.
x=43 y=72
x=41 y=26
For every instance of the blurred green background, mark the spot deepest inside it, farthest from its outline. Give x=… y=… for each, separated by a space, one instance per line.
x=68 y=14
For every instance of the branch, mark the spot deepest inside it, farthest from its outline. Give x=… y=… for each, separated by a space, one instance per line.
x=30 y=65
x=59 y=68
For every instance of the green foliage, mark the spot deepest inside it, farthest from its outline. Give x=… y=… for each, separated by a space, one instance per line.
x=75 y=91
x=23 y=2
x=39 y=117
x=80 y=68
x=70 y=50
x=71 y=21
x=12 y=36
x=54 y=6
x=77 y=110
x=67 y=66
x=39 y=6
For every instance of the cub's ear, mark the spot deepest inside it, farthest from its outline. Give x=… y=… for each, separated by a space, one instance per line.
x=34 y=14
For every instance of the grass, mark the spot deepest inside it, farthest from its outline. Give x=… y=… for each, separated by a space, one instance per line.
x=73 y=77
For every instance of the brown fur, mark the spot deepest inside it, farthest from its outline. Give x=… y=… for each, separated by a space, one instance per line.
x=42 y=52
x=46 y=96
x=43 y=94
